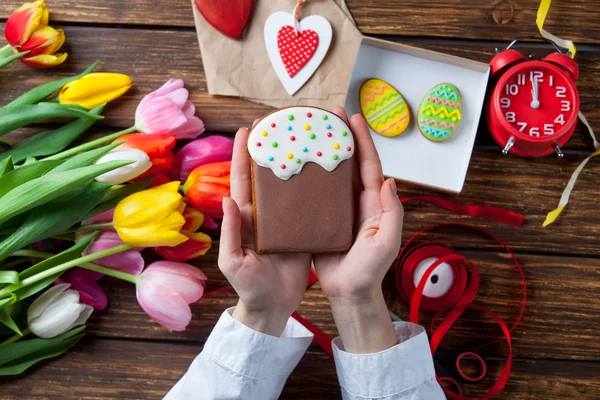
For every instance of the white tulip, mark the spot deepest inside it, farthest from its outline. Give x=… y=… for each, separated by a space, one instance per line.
x=57 y=311
x=128 y=172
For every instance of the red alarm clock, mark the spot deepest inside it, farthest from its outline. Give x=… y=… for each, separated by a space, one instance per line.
x=532 y=110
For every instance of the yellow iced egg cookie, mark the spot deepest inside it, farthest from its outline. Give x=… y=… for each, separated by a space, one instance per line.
x=384 y=108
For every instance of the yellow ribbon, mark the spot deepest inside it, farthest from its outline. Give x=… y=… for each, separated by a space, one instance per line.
x=539 y=21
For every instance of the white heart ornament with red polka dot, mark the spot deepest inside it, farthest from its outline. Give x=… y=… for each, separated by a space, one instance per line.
x=296 y=56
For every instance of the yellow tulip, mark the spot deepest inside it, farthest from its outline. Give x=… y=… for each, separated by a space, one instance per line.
x=94 y=89
x=152 y=217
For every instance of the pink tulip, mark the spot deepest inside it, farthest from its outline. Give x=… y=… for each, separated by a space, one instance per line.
x=199 y=152
x=167 y=110
x=210 y=223
x=84 y=282
x=165 y=291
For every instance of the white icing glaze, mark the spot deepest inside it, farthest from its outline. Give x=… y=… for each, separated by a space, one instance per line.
x=321 y=150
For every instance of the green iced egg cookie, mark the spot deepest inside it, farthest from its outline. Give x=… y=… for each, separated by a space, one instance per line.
x=440 y=112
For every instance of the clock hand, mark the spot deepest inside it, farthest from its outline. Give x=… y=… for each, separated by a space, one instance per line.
x=535 y=103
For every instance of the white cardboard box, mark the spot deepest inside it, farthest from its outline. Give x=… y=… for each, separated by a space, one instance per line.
x=413 y=72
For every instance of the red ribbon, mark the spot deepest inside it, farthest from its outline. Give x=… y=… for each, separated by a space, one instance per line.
x=458 y=298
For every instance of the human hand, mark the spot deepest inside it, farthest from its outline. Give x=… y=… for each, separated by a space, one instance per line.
x=270 y=287
x=352 y=280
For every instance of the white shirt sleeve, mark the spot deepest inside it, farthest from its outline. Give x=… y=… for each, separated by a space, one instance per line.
x=238 y=362
x=402 y=372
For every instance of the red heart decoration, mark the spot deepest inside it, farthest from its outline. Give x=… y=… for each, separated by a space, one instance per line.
x=296 y=49
x=227 y=16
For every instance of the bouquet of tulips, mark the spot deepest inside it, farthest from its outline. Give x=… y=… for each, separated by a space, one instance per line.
x=70 y=215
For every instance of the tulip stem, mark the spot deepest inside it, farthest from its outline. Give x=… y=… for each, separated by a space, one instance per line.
x=86 y=146
x=94 y=227
x=14 y=338
x=110 y=272
x=61 y=268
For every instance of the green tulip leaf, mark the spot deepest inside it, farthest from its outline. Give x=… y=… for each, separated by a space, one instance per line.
x=6 y=165
x=18 y=313
x=54 y=217
x=8 y=300
x=7 y=321
x=12 y=118
x=41 y=92
x=17 y=357
x=7 y=60
x=47 y=188
x=25 y=174
x=84 y=159
x=51 y=142
x=116 y=194
x=9 y=277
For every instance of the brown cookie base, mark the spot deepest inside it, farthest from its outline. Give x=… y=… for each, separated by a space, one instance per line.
x=312 y=212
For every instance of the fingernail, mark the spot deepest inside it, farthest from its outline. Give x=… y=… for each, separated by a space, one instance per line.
x=393 y=186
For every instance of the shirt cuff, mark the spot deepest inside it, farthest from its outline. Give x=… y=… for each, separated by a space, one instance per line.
x=402 y=367
x=254 y=354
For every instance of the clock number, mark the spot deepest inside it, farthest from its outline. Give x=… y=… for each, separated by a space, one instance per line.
x=560 y=119
x=522 y=126
x=551 y=80
x=511 y=116
x=534 y=131
x=566 y=105
x=548 y=129
x=521 y=79
x=512 y=89
x=560 y=91
x=505 y=102
x=536 y=74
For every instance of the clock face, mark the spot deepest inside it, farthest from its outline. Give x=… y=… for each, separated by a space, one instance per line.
x=537 y=99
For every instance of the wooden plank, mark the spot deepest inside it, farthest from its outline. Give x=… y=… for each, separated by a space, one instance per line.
x=136 y=53
x=111 y=369
x=562 y=301
x=575 y=20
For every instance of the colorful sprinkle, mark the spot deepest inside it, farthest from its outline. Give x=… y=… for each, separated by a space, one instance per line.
x=273 y=125
x=290 y=156
x=344 y=133
x=309 y=114
x=282 y=166
x=289 y=128
x=349 y=148
x=319 y=154
x=291 y=117
x=275 y=144
x=335 y=156
x=298 y=161
x=329 y=134
x=271 y=158
x=312 y=136
x=336 y=146
x=325 y=116
x=328 y=126
x=305 y=149
x=265 y=133
x=307 y=127
x=292 y=138
x=258 y=144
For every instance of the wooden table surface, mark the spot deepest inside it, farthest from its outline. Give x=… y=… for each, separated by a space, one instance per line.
x=557 y=356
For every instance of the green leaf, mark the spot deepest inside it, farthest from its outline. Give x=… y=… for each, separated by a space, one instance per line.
x=6 y=165
x=51 y=142
x=25 y=174
x=61 y=258
x=41 y=92
x=18 y=313
x=84 y=159
x=6 y=51
x=115 y=195
x=17 y=117
x=46 y=188
x=9 y=277
x=8 y=300
x=5 y=61
x=8 y=322
x=54 y=217
x=16 y=357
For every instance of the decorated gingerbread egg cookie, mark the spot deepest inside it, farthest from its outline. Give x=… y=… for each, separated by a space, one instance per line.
x=440 y=112
x=384 y=108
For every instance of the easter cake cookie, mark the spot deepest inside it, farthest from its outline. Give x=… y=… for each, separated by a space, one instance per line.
x=440 y=112
x=302 y=181
x=384 y=108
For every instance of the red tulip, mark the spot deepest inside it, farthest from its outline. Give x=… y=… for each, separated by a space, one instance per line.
x=197 y=245
x=21 y=24
x=157 y=146
x=206 y=186
x=200 y=152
